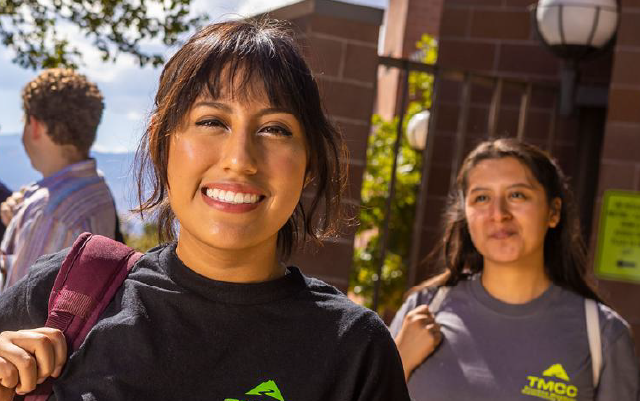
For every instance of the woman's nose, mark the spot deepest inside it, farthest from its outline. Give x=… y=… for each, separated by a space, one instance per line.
x=238 y=153
x=500 y=209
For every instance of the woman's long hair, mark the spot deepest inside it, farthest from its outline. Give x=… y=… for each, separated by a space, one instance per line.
x=565 y=255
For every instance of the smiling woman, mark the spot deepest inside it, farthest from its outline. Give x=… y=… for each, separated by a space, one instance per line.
x=513 y=317
x=226 y=182
x=237 y=132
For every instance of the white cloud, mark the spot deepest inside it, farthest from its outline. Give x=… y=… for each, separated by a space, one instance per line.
x=110 y=149
x=134 y=116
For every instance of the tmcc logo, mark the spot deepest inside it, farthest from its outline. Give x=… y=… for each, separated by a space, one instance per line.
x=548 y=389
x=268 y=388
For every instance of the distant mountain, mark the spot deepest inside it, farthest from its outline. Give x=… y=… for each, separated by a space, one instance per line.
x=16 y=171
x=15 y=167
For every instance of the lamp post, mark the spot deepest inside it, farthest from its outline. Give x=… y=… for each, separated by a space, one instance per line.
x=574 y=30
x=419 y=139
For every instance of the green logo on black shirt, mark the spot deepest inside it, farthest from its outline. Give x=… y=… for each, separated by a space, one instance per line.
x=549 y=389
x=268 y=388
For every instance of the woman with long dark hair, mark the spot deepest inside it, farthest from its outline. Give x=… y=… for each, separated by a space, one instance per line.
x=507 y=317
x=237 y=132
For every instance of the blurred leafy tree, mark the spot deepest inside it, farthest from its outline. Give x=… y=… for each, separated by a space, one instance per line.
x=28 y=27
x=144 y=241
x=375 y=190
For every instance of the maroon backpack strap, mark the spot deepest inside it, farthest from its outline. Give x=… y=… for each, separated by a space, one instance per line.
x=88 y=279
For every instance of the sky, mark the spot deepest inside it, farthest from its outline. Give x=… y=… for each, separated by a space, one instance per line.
x=128 y=89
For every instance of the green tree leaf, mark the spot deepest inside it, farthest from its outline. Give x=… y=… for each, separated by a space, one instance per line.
x=28 y=28
x=375 y=190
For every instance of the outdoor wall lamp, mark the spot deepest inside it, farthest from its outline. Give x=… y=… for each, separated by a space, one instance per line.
x=418 y=129
x=574 y=30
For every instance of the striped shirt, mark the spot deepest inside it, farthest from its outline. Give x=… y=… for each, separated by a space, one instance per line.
x=54 y=212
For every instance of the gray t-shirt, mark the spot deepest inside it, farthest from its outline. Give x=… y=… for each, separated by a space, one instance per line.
x=492 y=350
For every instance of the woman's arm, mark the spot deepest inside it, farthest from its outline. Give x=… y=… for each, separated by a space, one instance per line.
x=620 y=377
x=415 y=332
x=417 y=339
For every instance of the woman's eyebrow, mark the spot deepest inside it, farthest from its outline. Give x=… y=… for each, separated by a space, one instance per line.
x=516 y=185
x=274 y=110
x=215 y=105
x=522 y=185
x=227 y=109
x=476 y=189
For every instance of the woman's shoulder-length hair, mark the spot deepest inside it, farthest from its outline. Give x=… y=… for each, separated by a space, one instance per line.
x=234 y=56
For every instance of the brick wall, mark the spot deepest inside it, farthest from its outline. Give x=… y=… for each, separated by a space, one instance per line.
x=620 y=159
x=340 y=43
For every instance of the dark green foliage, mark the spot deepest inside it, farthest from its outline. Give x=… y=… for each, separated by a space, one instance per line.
x=375 y=190
x=29 y=28
x=144 y=241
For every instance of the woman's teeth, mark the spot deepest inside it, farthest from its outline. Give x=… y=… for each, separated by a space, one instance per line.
x=231 y=197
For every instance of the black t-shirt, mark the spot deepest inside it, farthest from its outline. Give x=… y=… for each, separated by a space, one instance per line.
x=171 y=334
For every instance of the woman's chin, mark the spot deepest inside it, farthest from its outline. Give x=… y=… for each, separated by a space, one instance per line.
x=504 y=257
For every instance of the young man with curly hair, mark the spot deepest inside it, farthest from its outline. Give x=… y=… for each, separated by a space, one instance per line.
x=62 y=110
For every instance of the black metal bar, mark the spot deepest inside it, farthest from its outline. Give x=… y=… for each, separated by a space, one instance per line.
x=551 y=137
x=406 y=64
x=596 y=20
x=416 y=236
x=494 y=111
x=561 y=23
x=524 y=111
x=452 y=74
x=461 y=130
x=568 y=80
x=392 y=189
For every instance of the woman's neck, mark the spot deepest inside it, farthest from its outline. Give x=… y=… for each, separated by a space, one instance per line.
x=253 y=265
x=515 y=283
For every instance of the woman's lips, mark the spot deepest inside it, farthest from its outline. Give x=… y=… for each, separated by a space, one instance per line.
x=502 y=234
x=232 y=197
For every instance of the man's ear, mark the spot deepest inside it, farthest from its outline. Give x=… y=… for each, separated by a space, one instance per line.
x=555 y=211
x=36 y=128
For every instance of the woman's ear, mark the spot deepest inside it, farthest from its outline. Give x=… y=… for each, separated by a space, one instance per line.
x=555 y=211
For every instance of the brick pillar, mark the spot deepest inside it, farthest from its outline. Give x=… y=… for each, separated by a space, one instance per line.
x=620 y=158
x=340 y=41
x=405 y=23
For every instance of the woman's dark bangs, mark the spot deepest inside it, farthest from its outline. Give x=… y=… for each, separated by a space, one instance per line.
x=241 y=73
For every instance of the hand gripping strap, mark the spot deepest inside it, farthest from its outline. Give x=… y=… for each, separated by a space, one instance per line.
x=87 y=281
